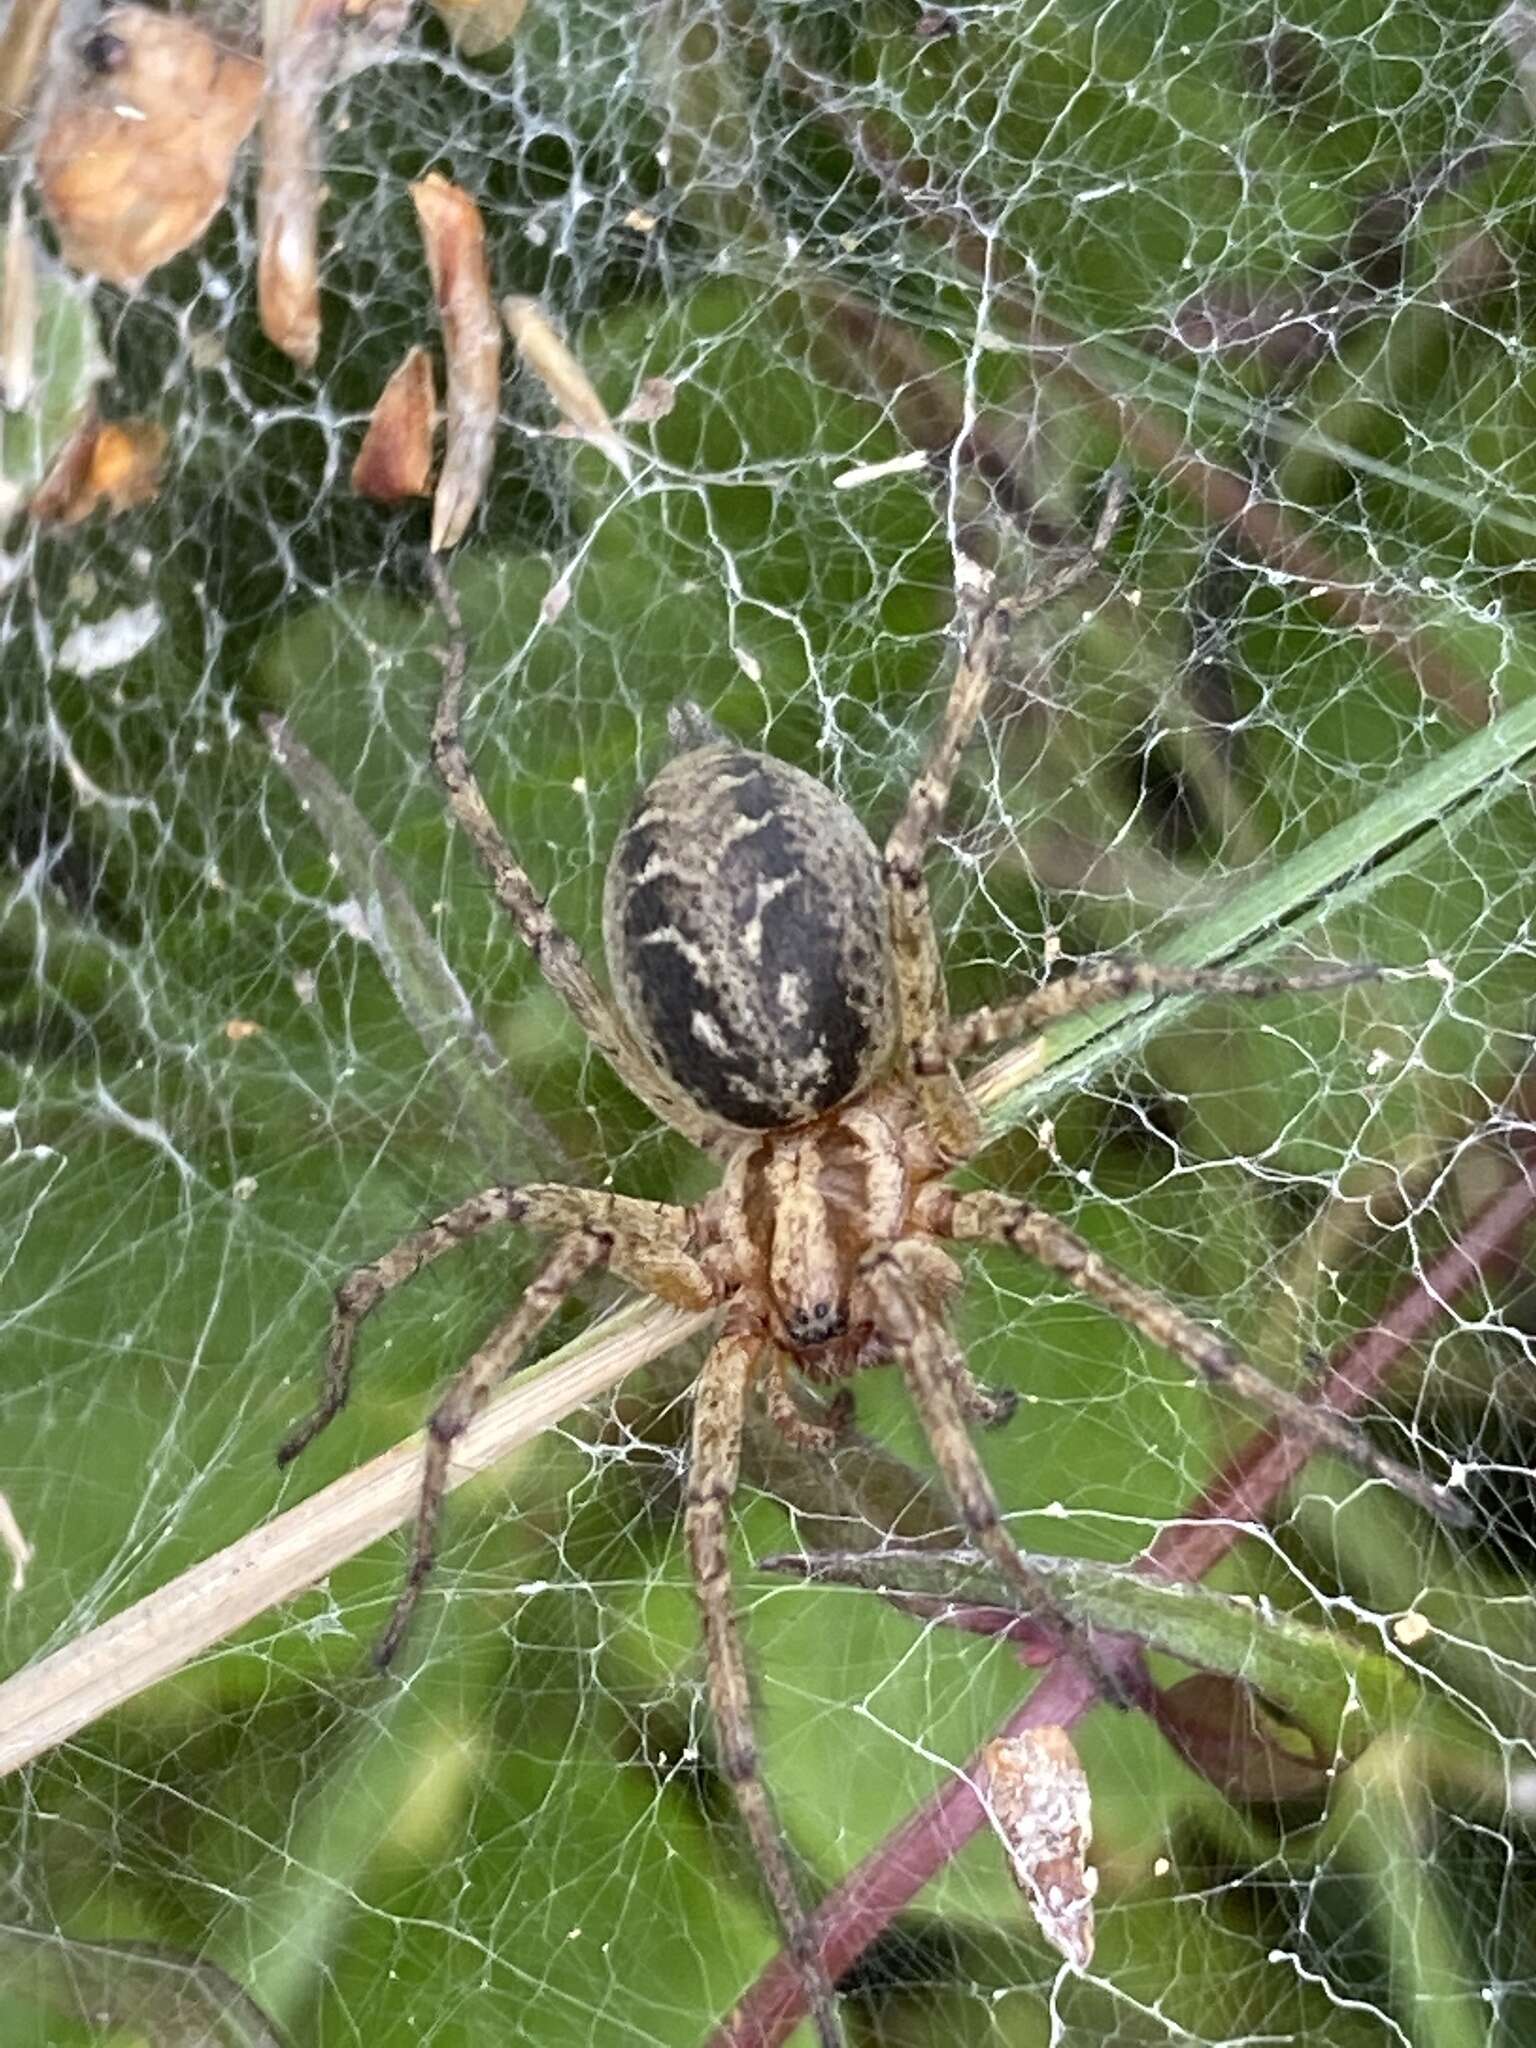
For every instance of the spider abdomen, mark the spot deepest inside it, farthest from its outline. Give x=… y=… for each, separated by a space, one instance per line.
x=748 y=939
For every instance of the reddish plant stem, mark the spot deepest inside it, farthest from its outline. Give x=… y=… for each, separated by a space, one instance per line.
x=1243 y=1494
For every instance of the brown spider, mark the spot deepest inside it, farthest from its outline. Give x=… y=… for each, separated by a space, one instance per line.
x=779 y=999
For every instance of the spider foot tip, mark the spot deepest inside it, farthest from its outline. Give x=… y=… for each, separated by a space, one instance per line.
x=1004 y=1405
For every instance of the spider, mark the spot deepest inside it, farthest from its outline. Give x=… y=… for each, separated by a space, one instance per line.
x=778 y=997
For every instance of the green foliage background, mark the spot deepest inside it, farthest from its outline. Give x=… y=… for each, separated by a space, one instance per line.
x=1298 y=246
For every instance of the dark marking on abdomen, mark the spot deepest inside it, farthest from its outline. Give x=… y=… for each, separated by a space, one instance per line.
x=747 y=938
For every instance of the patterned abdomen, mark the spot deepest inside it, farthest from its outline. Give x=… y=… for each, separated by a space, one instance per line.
x=747 y=938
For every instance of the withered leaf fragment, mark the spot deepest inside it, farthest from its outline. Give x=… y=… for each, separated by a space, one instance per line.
x=479 y=25
x=137 y=157
x=115 y=463
x=567 y=383
x=1243 y=1745
x=301 y=45
x=395 y=460
x=1036 y=1792
x=454 y=235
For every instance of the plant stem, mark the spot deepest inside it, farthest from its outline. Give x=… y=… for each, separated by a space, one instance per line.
x=1245 y=1491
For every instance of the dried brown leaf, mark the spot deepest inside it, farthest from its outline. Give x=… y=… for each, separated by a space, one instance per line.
x=111 y=463
x=395 y=460
x=302 y=50
x=454 y=235
x=137 y=157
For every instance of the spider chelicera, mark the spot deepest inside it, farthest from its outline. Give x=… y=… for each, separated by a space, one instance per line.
x=778 y=997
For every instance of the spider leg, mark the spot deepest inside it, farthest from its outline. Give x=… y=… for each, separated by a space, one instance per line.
x=557 y=956
x=719 y=1411
x=647 y=1240
x=496 y=1358
x=988 y=1406
x=1108 y=981
x=934 y=1369
x=984 y=1217
x=786 y=1415
x=919 y=968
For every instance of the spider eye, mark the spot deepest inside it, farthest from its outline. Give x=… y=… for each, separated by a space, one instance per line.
x=104 y=52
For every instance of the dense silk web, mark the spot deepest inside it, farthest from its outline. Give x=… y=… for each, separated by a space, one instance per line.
x=896 y=292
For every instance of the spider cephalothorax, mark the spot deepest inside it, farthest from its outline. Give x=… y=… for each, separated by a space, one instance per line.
x=779 y=999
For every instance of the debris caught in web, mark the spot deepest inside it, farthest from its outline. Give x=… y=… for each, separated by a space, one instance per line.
x=115 y=464
x=395 y=460
x=454 y=235
x=138 y=154
x=567 y=383
x=1037 y=1796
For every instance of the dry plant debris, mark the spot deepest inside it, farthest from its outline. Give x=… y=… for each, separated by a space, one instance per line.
x=138 y=153
x=454 y=235
x=1037 y=1795
x=395 y=460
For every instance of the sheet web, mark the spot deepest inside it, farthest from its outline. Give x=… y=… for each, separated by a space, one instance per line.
x=912 y=286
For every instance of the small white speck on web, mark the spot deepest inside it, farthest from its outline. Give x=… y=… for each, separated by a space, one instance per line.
x=653 y=401
x=111 y=642
x=244 y=1187
x=579 y=785
x=304 y=985
x=17 y=1548
x=1410 y=1628
x=1161 y=1866
x=749 y=665
x=556 y=598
